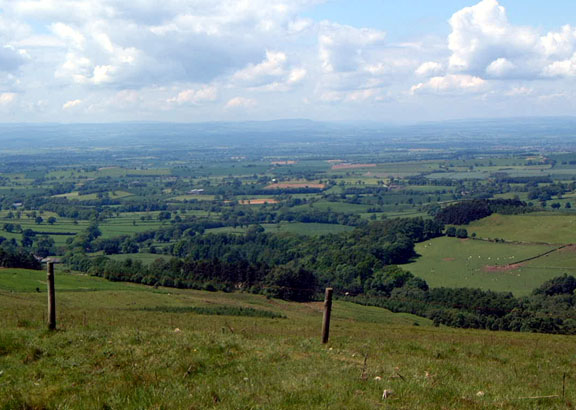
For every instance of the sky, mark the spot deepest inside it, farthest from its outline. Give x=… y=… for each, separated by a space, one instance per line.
x=331 y=60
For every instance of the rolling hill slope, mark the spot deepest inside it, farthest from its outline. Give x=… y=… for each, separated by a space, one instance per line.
x=132 y=347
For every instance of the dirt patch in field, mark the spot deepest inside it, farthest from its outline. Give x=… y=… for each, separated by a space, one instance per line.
x=449 y=259
x=295 y=186
x=258 y=201
x=334 y=161
x=502 y=268
x=571 y=249
x=352 y=166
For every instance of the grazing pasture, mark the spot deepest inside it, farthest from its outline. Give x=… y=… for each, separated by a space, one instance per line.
x=551 y=228
x=458 y=263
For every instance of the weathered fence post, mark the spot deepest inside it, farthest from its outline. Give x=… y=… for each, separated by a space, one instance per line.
x=327 y=313
x=51 y=297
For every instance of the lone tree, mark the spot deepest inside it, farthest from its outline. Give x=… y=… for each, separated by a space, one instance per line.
x=461 y=233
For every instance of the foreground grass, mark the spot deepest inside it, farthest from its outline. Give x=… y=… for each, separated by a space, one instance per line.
x=111 y=352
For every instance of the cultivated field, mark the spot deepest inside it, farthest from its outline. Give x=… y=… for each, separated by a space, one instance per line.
x=296 y=185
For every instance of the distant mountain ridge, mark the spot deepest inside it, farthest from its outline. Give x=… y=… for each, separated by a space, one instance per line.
x=52 y=135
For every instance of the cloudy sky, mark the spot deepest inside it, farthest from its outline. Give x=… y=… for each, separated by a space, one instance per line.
x=206 y=60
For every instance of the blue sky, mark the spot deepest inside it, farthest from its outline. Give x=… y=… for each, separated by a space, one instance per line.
x=431 y=16
x=198 y=60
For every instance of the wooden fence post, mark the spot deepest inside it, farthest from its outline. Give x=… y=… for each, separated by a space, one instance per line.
x=327 y=313
x=51 y=297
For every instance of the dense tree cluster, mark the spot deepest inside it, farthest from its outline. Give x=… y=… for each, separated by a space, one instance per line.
x=545 y=193
x=285 y=282
x=550 y=308
x=15 y=257
x=465 y=212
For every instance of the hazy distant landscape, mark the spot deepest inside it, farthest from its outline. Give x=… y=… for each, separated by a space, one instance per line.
x=514 y=132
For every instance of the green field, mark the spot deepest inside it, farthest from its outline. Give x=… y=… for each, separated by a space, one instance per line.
x=451 y=262
x=334 y=206
x=307 y=228
x=88 y=197
x=295 y=227
x=537 y=227
x=136 y=347
x=22 y=280
x=126 y=225
x=561 y=262
x=145 y=258
x=181 y=198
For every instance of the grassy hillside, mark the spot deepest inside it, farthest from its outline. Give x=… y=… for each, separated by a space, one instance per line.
x=133 y=347
x=537 y=227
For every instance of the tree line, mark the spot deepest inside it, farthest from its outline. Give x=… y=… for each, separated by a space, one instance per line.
x=346 y=261
x=549 y=309
x=462 y=213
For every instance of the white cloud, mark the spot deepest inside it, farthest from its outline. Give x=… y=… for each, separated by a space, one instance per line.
x=429 y=68
x=153 y=59
x=345 y=48
x=94 y=58
x=240 y=102
x=274 y=73
x=71 y=104
x=137 y=43
x=297 y=75
x=559 y=45
x=7 y=98
x=74 y=38
x=273 y=67
x=559 y=96
x=358 y=63
x=520 y=91
x=564 y=68
x=358 y=96
x=500 y=67
x=482 y=34
x=195 y=96
x=127 y=97
x=451 y=84
x=484 y=43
